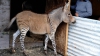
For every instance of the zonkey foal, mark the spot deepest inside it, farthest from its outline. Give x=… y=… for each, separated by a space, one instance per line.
x=40 y=24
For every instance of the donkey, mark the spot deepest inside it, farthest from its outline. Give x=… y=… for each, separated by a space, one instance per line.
x=40 y=24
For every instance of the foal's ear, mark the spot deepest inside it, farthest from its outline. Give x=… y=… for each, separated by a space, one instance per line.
x=66 y=6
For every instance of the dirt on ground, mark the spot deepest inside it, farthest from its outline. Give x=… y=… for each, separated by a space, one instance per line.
x=35 y=51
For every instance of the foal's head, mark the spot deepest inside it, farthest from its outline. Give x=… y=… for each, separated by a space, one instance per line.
x=66 y=15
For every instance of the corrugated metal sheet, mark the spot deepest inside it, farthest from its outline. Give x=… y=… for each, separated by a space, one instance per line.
x=84 y=38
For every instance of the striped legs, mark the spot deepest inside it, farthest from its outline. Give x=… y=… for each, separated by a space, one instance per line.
x=23 y=32
x=15 y=35
x=22 y=37
x=46 y=43
x=52 y=38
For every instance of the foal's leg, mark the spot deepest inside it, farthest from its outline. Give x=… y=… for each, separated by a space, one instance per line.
x=22 y=37
x=46 y=42
x=52 y=38
x=15 y=35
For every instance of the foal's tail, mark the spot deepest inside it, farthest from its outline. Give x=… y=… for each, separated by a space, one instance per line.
x=9 y=25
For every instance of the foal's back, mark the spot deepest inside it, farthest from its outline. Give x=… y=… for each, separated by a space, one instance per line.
x=37 y=23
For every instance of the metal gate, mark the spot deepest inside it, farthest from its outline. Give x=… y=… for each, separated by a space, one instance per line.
x=84 y=38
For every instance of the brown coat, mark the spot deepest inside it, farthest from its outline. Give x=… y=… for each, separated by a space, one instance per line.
x=34 y=21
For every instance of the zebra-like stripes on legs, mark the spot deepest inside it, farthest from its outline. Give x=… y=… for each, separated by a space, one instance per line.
x=46 y=43
x=22 y=37
x=52 y=38
x=15 y=35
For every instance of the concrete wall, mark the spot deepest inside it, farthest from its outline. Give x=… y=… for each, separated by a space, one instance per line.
x=4 y=20
x=4 y=13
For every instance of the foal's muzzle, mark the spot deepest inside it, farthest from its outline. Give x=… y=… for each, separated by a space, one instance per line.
x=74 y=22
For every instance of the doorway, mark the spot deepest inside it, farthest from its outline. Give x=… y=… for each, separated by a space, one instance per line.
x=38 y=6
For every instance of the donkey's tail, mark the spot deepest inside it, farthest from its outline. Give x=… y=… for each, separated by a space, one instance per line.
x=9 y=25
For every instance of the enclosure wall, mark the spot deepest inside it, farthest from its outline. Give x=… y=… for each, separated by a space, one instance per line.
x=4 y=20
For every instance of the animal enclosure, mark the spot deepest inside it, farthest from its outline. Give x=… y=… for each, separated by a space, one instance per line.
x=83 y=37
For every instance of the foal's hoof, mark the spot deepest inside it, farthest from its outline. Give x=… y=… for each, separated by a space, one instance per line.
x=12 y=51
x=45 y=51
x=55 y=54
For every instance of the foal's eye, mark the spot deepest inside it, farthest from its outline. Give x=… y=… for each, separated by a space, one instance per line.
x=69 y=14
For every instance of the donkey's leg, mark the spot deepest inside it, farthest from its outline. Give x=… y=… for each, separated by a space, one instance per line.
x=46 y=42
x=15 y=35
x=22 y=37
x=52 y=38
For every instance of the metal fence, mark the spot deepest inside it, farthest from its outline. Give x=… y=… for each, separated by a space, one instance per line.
x=84 y=38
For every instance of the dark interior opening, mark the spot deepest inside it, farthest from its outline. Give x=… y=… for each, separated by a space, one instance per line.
x=37 y=6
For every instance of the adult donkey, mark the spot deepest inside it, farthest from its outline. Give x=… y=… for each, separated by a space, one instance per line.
x=40 y=24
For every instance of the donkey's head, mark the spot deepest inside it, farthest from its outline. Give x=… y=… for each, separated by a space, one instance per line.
x=66 y=15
